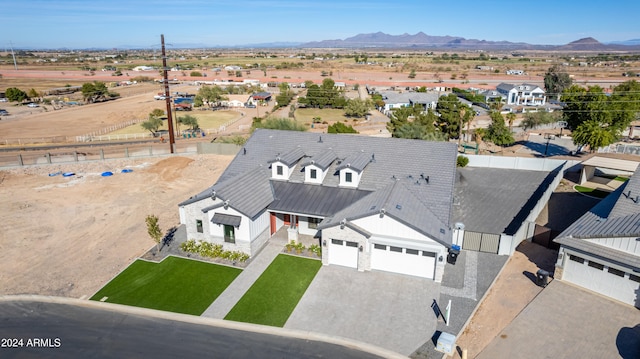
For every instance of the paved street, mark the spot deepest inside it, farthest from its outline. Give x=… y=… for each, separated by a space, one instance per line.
x=68 y=328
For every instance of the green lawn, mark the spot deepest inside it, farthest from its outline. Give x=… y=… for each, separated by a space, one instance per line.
x=274 y=296
x=175 y=285
x=592 y=191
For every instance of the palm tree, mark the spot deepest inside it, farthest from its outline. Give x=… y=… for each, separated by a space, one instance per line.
x=510 y=118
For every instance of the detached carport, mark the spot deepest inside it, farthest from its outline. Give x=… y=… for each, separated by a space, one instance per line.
x=589 y=167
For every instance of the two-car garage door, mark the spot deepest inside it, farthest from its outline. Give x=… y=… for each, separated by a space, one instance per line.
x=403 y=260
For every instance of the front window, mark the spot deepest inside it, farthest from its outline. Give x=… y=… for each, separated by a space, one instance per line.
x=279 y=170
x=314 y=174
x=229 y=234
x=198 y=226
x=313 y=222
x=348 y=177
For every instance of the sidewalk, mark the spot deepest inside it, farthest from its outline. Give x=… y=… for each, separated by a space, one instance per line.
x=225 y=302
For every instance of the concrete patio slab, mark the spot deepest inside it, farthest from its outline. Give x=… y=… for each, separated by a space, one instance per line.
x=389 y=310
x=565 y=321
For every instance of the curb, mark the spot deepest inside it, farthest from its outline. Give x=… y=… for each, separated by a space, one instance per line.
x=255 y=328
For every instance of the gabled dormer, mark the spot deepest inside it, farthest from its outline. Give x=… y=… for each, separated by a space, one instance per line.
x=284 y=164
x=351 y=168
x=316 y=167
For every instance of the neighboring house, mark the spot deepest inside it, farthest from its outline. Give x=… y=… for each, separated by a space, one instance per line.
x=258 y=97
x=523 y=94
x=371 y=205
x=394 y=99
x=601 y=250
x=493 y=96
x=232 y=103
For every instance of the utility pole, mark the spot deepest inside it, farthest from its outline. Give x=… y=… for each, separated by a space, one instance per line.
x=167 y=97
x=15 y=64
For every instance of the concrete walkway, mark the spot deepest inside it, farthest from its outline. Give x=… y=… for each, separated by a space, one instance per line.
x=228 y=299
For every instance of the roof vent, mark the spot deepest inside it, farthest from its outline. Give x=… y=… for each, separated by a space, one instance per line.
x=628 y=194
x=418 y=182
x=373 y=157
x=637 y=199
x=426 y=179
x=213 y=194
x=442 y=230
x=398 y=206
x=244 y=151
x=320 y=139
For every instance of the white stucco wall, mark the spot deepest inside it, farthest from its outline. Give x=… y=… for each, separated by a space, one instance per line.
x=320 y=174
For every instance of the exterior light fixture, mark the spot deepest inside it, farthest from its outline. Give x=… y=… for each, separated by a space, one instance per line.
x=440 y=259
x=324 y=242
x=361 y=249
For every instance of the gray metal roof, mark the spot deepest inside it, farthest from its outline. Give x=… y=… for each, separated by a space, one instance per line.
x=246 y=181
x=323 y=160
x=494 y=200
x=310 y=199
x=356 y=162
x=399 y=202
x=616 y=216
x=289 y=158
x=228 y=219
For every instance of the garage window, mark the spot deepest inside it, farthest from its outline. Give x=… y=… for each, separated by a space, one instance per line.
x=412 y=251
x=428 y=254
x=336 y=241
x=380 y=246
x=596 y=265
x=617 y=272
x=576 y=258
x=396 y=249
x=352 y=244
x=634 y=278
x=198 y=226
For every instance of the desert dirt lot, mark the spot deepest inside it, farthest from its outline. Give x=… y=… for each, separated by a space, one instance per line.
x=68 y=236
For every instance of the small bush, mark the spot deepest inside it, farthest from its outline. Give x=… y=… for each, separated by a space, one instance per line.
x=462 y=161
x=315 y=249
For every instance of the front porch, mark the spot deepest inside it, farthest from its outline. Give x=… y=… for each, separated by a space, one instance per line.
x=281 y=237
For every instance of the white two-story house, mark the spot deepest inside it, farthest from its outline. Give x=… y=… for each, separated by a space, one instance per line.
x=523 y=94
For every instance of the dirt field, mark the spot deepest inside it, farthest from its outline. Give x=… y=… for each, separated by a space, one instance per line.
x=69 y=236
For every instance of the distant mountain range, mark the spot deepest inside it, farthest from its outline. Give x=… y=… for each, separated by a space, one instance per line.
x=420 y=41
x=424 y=41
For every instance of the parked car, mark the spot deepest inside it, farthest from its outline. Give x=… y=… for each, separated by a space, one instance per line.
x=32 y=105
x=3 y=99
x=4 y=112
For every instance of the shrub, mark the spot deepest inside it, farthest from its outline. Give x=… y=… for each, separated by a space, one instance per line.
x=462 y=161
x=315 y=249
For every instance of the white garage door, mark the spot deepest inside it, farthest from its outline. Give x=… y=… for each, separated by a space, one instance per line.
x=598 y=278
x=343 y=253
x=403 y=260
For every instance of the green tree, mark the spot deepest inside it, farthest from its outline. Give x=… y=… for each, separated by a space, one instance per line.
x=94 y=91
x=414 y=123
x=593 y=134
x=453 y=113
x=556 y=81
x=412 y=74
x=532 y=120
x=286 y=95
x=15 y=94
x=340 y=127
x=153 y=229
x=154 y=121
x=195 y=74
x=210 y=96
x=189 y=121
x=357 y=107
x=511 y=117
x=497 y=132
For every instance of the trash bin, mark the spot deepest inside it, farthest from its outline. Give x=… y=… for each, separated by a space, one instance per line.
x=542 y=277
x=453 y=254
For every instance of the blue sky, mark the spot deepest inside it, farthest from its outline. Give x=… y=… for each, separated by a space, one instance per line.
x=117 y=23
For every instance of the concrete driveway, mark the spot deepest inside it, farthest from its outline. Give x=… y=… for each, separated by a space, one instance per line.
x=388 y=310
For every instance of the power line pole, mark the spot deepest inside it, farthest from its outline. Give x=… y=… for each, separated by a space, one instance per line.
x=15 y=64
x=167 y=97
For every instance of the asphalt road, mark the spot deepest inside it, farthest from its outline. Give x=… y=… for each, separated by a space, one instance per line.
x=34 y=329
